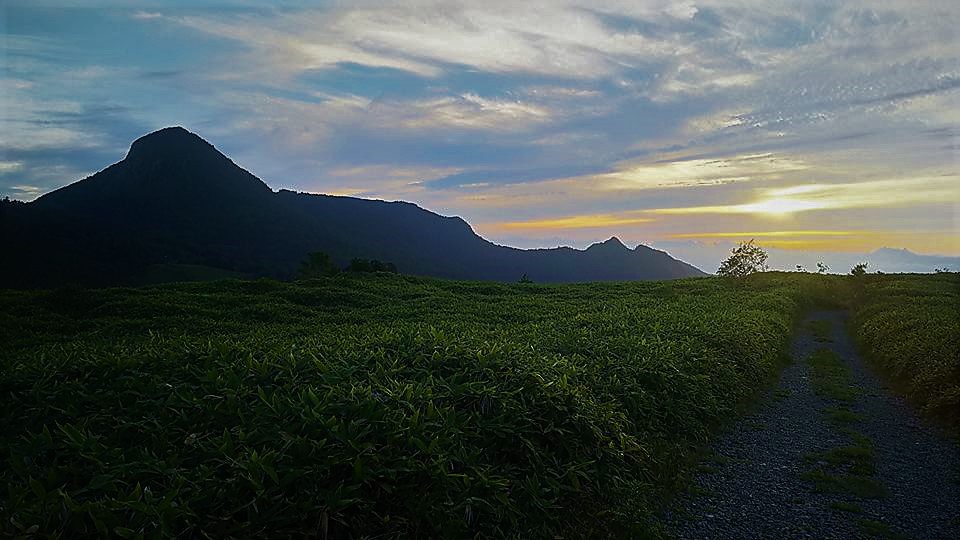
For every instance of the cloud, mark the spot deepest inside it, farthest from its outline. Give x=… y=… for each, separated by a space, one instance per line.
x=10 y=166
x=573 y=222
x=23 y=192
x=382 y=181
x=29 y=191
x=312 y=120
x=286 y=48
x=146 y=15
x=764 y=234
x=425 y=38
x=624 y=183
x=809 y=197
x=566 y=113
x=698 y=172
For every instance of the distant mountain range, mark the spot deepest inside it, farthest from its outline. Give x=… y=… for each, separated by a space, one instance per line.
x=707 y=255
x=904 y=260
x=177 y=207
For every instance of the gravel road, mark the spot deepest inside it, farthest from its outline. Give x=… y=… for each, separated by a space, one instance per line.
x=753 y=485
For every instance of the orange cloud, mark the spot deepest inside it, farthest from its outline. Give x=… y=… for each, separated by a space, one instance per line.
x=572 y=222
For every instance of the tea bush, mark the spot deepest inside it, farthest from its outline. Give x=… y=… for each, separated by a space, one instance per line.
x=373 y=406
x=909 y=326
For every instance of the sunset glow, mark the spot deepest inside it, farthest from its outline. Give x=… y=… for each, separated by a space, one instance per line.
x=556 y=124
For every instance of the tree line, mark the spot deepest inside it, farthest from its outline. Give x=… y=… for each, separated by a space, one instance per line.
x=319 y=264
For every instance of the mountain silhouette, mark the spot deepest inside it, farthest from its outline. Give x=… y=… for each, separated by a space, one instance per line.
x=175 y=200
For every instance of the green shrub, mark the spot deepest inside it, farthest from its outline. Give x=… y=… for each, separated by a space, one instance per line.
x=378 y=405
x=909 y=326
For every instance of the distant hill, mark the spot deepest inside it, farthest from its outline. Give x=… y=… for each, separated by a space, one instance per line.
x=904 y=260
x=708 y=255
x=888 y=260
x=177 y=202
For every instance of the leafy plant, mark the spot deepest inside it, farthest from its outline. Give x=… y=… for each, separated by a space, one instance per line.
x=909 y=327
x=398 y=406
x=377 y=405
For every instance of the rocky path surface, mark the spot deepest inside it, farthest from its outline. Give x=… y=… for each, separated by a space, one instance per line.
x=851 y=461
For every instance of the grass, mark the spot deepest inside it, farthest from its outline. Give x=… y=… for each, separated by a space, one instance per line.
x=391 y=406
x=879 y=529
x=860 y=486
x=857 y=459
x=844 y=469
x=831 y=376
x=821 y=330
x=378 y=406
x=909 y=327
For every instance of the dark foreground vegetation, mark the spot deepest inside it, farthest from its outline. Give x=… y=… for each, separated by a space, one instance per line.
x=392 y=406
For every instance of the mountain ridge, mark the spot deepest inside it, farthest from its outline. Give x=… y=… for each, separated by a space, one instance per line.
x=175 y=199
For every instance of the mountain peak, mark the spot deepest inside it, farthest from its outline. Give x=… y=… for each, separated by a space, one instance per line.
x=169 y=141
x=170 y=168
x=612 y=242
x=176 y=200
x=892 y=251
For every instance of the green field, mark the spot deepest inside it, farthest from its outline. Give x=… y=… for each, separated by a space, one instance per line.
x=391 y=406
x=909 y=326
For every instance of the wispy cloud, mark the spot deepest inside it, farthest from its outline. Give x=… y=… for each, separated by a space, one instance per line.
x=590 y=117
x=146 y=15
x=574 y=222
x=10 y=166
x=765 y=234
x=809 y=197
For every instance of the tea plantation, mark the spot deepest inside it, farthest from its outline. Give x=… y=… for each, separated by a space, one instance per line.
x=392 y=406
x=909 y=325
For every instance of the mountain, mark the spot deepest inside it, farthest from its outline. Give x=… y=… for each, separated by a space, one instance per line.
x=888 y=260
x=904 y=260
x=175 y=201
x=708 y=255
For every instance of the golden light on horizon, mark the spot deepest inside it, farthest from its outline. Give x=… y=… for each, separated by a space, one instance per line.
x=808 y=197
x=768 y=234
x=758 y=212
x=781 y=206
x=838 y=240
x=574 y=222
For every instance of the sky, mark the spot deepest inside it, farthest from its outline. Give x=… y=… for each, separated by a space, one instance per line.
x=817 y=127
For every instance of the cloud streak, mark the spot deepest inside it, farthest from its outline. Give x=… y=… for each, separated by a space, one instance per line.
x=592 y=118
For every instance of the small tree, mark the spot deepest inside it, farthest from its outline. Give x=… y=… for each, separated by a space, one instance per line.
x=745 y=259
x=525 y=279
x=317 y=264
x=822 y=268
x=800 y=268
x=859 y=269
